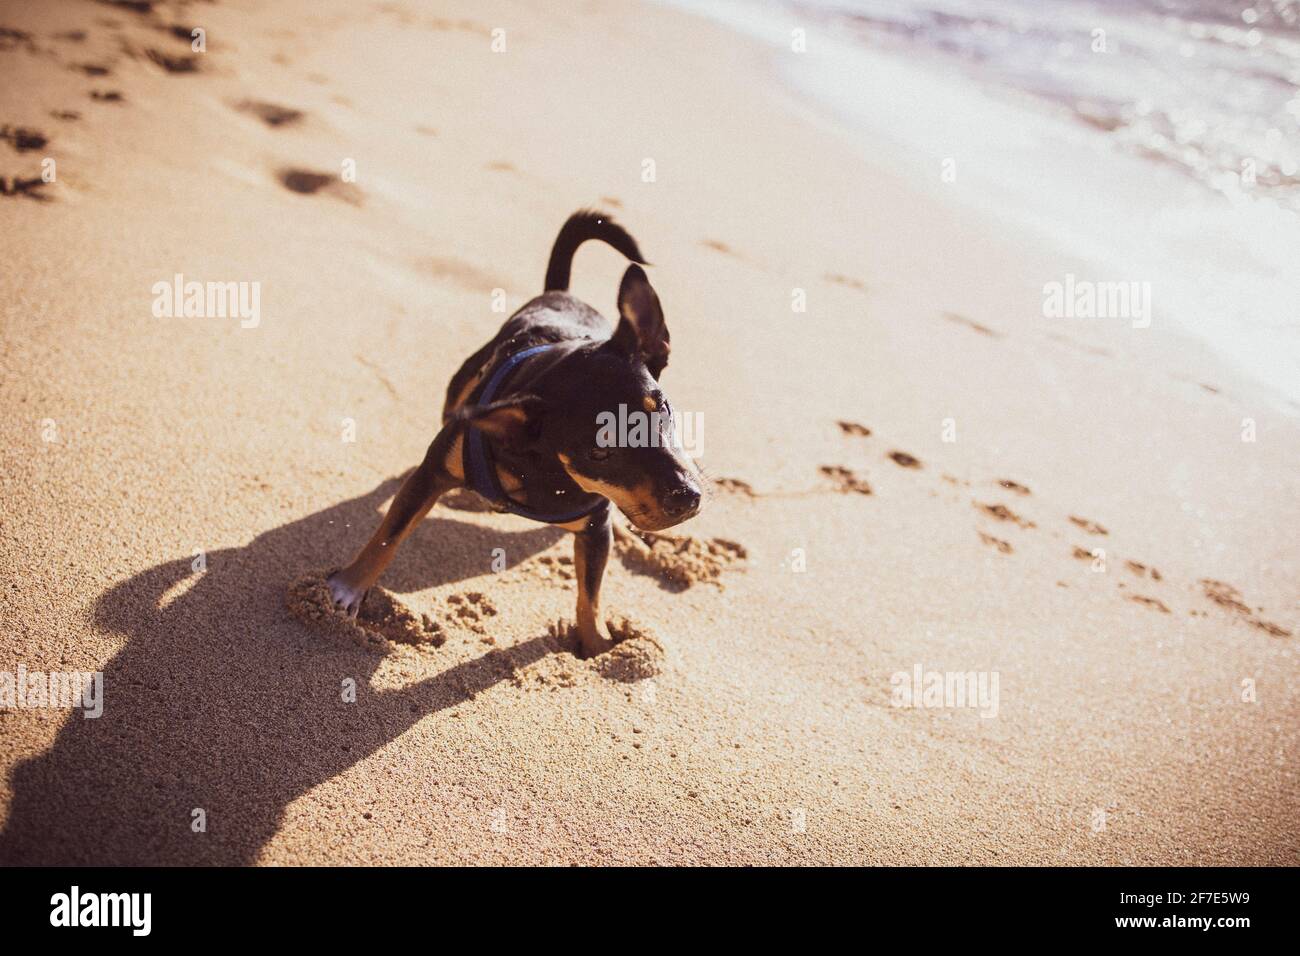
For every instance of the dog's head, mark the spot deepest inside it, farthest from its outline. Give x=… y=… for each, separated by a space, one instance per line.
x=600 y=412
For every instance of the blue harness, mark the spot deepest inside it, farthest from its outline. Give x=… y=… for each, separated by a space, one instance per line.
x=480 y=471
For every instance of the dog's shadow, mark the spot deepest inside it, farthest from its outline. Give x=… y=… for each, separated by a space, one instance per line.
x=199 y=716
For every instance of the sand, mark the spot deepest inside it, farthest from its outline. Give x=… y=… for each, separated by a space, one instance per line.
x=918 y=472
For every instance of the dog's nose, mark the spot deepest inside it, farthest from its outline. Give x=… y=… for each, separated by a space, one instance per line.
x=683 y=501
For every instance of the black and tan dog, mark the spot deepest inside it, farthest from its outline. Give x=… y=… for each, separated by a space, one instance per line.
x=521 y=423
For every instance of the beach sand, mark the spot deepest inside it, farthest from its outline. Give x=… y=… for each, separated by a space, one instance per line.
x=167 y=481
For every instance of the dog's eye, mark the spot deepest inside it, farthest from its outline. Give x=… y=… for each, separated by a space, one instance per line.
x=599 y=454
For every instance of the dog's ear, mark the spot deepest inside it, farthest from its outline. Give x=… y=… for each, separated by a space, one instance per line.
x=514 y=421
x=641 y=328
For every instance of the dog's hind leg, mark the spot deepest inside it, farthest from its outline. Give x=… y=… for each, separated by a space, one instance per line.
x=590 y=554
x=421 y=489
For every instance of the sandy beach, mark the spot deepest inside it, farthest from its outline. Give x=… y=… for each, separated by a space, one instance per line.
x=911 y=471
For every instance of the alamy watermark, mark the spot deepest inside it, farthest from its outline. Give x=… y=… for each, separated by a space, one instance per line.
x=640 y=429
x=54 y=689
x=179 y=299
x=1085 y=299
x=133 y=911
x=946 y=689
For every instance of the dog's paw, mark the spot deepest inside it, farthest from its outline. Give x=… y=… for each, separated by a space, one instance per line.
x=593 y=639
x=317 y=599
x=347 y=598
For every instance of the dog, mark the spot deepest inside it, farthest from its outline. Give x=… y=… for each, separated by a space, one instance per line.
x=520 y=426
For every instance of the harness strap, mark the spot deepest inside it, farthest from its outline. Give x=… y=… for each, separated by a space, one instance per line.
x=480 y=470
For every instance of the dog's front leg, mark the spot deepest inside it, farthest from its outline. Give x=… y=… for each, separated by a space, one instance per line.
x=417 y=495
x=590 y=554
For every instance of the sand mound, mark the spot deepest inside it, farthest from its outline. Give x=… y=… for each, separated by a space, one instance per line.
x=682 y=561
x=636 y=655
x=382 y=622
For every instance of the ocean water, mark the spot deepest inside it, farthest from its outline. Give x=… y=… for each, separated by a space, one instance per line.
x=1159 y=140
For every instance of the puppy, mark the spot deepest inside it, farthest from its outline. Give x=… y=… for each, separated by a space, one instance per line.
x=522 y=427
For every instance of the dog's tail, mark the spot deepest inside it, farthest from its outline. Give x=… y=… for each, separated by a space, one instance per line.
x=583 y=225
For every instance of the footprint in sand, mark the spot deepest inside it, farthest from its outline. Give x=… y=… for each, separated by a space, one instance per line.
x=553 y=660
x=735 y=486
x=845 y=480
x=107 y=96
x=382 y=622
x=971 y=324
x=173 y=63
x=552 y=565
x=636 y=655
x=142 y=7
x=271 y=114
x=836 y=278
x=180 y=32
x=1268 y=627
x=469 y=610
x=1015 y=486
x=679 y=562
x=304 y=180
x=721 y=247
x=1003 y=547
x=903 y=460
x=22 y=139
x=1143 y=570
x=25 y=188
x=1153 y=603
x=1089 y=526
x=12 y=39
x=1229 y=598
x=854 y=429
x=1224 y=595
x=309 y=182
x=66 y=115
x=1003 y=513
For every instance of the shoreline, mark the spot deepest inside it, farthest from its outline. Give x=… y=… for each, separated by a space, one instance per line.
x=1011 y=179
